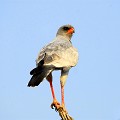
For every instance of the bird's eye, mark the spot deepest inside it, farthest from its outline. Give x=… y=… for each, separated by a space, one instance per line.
x=65 y=28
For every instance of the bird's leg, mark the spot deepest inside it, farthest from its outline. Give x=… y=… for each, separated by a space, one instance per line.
x=62 y=83
x=55 y=103
x=63 y=78
x=62 y=110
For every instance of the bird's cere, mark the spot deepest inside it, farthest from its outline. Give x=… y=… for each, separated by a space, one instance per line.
x=71 y=31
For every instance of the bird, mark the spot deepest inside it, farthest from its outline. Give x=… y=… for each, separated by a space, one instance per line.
x=59 y=54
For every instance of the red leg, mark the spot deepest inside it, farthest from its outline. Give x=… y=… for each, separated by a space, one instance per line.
x=62 y=96
x=55 y=103
x=63 y=78
x=62 y=99
x=52 y=89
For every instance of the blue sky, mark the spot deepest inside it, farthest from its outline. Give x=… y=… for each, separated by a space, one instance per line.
x=92 y=91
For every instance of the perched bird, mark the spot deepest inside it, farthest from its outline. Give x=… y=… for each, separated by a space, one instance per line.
x=57 y=55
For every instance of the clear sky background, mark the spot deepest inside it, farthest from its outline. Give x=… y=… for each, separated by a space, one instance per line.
x=92 y=91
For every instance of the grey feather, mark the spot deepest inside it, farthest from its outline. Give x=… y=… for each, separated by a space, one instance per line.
x=59 y=53
x=56 y=55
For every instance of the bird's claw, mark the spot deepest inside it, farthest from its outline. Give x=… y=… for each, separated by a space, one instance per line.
x=64 y=115
x=61 y=110
x=55 y=105
x=52 y=105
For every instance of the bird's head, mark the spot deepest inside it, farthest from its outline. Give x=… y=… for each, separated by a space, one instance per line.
x=66 y=31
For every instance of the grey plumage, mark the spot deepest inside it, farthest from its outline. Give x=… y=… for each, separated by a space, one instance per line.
x=58 y=54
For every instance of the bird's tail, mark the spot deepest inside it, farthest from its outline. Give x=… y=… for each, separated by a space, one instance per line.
x=38 y=74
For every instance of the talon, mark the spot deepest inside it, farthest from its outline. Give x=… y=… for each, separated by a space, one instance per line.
x=55 y=105
x=52 y=105
x=56 y=109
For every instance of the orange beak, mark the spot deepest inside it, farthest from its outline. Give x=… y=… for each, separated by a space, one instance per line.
x=71 y=31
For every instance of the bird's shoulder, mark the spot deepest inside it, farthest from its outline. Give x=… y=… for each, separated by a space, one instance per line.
x=53 y=48
x=59 y=52
x=58 y=44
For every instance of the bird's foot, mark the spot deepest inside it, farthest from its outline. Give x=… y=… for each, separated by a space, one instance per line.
x=55 y=105
x=61 y=110
x=64 y=114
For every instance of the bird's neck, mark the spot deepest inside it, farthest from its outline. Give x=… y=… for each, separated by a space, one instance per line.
x=64 y=37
